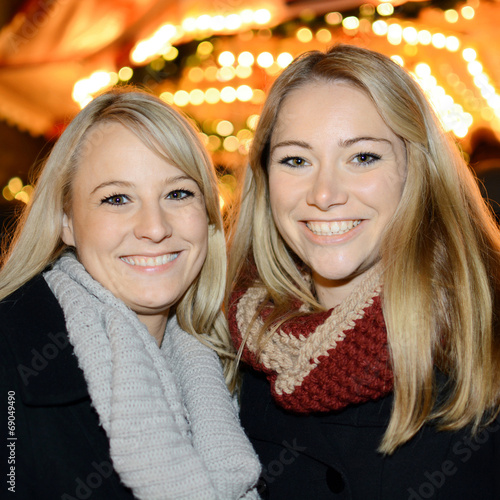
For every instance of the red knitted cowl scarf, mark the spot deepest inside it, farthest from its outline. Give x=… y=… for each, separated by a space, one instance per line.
x=319 y=361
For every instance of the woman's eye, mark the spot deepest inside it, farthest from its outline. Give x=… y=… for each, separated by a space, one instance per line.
x=179 y=194
x=116 y=199
x=366 y=158
x=294 y=161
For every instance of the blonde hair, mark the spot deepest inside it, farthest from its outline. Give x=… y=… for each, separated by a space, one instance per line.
x=37 y=241
x=440 y=256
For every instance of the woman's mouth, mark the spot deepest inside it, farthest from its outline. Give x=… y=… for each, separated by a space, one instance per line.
x=142 y=261
x=323 y=228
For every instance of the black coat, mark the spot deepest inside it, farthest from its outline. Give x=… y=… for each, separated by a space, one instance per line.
x=53 y=446
x=333 y=456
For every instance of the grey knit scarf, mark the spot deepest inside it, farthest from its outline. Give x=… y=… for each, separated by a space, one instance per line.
x=172 y=425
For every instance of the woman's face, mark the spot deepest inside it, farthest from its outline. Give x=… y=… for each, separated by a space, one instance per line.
x=336 y=177
x=139 y=224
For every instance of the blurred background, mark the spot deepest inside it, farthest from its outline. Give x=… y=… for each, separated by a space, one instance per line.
x=215 y=59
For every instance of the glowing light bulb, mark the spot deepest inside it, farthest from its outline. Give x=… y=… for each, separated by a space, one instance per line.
x=246 y=59
x=226 y=58
x=262 y=16
x=265 y=59
x=284 y=59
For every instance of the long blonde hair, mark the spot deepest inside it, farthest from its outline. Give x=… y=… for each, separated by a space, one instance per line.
x=440 y=256
x=37 y=241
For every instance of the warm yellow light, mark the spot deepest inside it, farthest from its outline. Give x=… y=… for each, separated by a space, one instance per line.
x=246 y=16
x=203 y=22
x=469 y=54
x=167 y=97
x=284 y=59
x=351 y=23
x=99 y=80
x=259 y=96
x=451 y=15
x=22 y=196
x=385 y=9
x=380 y=28
x=212 y=95
x=244 y=93
x=226 y=73
x=438 y=40
x=7 y=194
x=333 y=18
x=274 y=69
x=189 y=24
x=304 y=35
x=324 y=36
x=181 y=98
x=262 y=16
x=214 y=142
x=15 y=185
x=468 y=12
x=141 y=52
x=252 y=121
x=474 y=68
x=217 y=23
x=226 y=58
x=28 y=189
x=211 y=73
x=424 y=37
x=231 y=144
x=205 y=48
x=410 y=35
x=196 y=97
x=394 y=34
x=170 y=54
x=228 y=94
x=246 y=59
x=244 y=134
x=125 y=74
x=410 y=50
x=243 y=71
x=367 y=9
x=398 y=60
x=196 y=74
x=422 y=70
x=84 y=101
x=265 y=59
x=452 y=43
x=224 y=128
x=233 y=22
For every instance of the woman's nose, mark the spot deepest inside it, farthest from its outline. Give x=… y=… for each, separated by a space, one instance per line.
x=328 y=188
x=152 y=223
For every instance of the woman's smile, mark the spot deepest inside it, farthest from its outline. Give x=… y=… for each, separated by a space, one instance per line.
x=145 y=261
x=325 y=228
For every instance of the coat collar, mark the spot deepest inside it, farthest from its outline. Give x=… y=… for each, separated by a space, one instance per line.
x=35 y=330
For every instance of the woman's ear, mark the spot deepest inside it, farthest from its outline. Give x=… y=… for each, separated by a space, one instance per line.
x=67 y=231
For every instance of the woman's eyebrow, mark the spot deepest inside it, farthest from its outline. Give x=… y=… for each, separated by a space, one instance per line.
x=282 y=144
x=349 y=142
x=112 y=183
x=126 y=184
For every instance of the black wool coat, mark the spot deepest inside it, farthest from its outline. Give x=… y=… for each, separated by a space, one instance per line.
x=333 y=456
x=52 y=444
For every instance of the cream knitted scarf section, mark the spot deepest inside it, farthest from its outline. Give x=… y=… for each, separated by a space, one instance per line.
x=172 y=425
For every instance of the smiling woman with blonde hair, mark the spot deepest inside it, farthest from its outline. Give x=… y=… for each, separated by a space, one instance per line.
x=113 y=344
x=364 y=273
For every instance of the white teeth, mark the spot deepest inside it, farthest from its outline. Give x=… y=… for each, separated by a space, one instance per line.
x=150 y=261
x=329 y=228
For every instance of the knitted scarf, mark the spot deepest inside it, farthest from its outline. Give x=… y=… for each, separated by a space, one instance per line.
x=318 y=361
x=172 y=425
